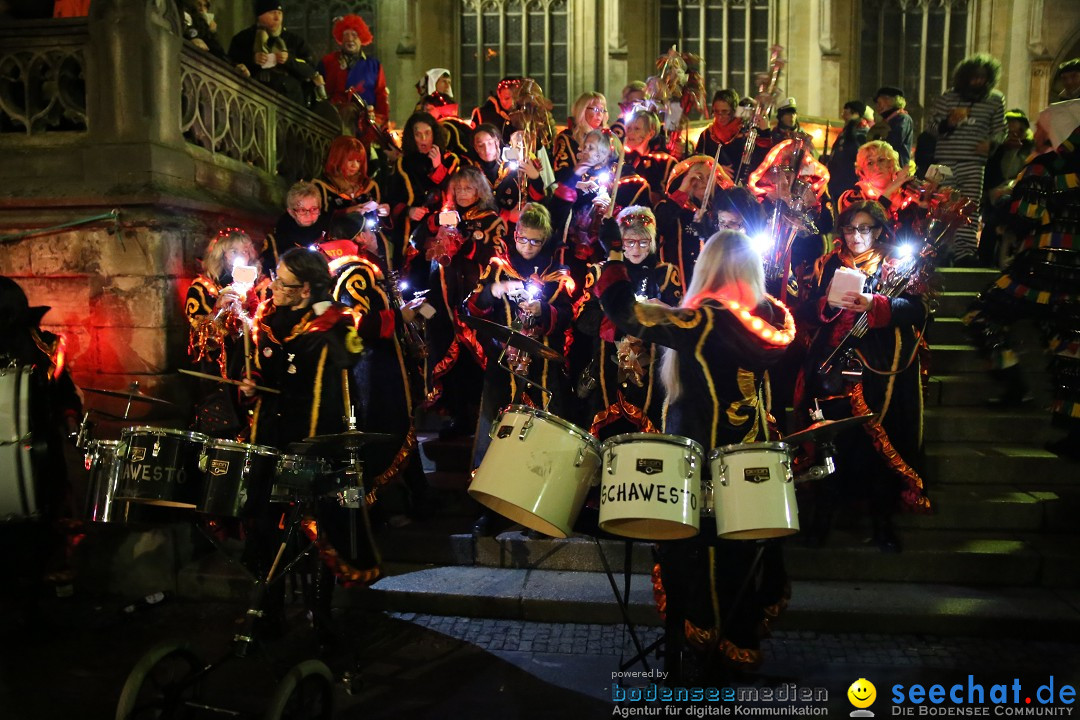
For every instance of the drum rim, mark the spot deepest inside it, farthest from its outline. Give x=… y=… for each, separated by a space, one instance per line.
x=247 y=447
x=682 y=440
x=545 y=415
x=776 y=445
x=173 y=432
x=306 y=458
x=103 y=443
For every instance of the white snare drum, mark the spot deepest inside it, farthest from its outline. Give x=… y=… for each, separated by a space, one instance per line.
x=650 y=487
x=537 y=470
x=753 y=491
x=17 y=492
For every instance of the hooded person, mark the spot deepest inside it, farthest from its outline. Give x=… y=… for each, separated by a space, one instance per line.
x=350 y=70
x=435 y=80
x=277 y=58
x=969 y=123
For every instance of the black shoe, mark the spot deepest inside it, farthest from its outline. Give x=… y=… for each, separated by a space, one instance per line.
x=483 y=526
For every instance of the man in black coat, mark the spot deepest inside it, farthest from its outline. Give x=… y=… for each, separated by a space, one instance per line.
x=277 y=58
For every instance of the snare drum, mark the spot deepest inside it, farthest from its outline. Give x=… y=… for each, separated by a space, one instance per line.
x=294 y=476
x=650 y=487
x=18 y=496
x=236 y=477
x=537 y=470
x=160 y=466
x=753 y=491
x=104 y=468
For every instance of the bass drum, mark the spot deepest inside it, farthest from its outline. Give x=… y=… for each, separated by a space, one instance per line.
x=18 y=496
x=160 y=466
x=651 y=486
x=537 y=470
x=236 y=477
x=753 y=491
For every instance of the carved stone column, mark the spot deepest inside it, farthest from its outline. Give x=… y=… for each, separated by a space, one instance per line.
x=616 y=75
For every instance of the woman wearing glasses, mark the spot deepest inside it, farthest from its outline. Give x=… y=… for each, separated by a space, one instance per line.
x=588 y=113
x=301 y=225
x=628 y=396
x=879 y=463
x=529 y=291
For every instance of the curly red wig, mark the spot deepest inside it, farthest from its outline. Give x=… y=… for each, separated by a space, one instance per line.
x=353 y=22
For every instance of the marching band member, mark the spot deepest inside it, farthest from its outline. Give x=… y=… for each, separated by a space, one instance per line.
x=680 y=237
x=588 y=113
x=503 y=174
x=880 y=462
x=421 y=175
x=527 y=290
x=345 y=184
x=723 y=336
x=302 y=224
x=497 y=108
x=882 y=179
x=624 y=367
x=385 y=377
x=655 y=167
x=582 y=196
x=216 y=314
x=728 y=132
x=458 y=132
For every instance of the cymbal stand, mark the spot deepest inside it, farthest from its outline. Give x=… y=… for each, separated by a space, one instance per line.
x=622 y=599
x=133 y=390
x=504 y=363
x=353 y=496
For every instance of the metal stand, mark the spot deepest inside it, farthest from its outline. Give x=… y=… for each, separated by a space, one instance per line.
x=623 y=600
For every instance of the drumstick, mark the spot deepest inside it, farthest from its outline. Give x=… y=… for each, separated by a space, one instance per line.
x=229 y=381
x=345 y=394
x=247 y=350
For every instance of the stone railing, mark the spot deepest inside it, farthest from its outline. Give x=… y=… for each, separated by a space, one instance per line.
x=42 y=77
x=237 y=118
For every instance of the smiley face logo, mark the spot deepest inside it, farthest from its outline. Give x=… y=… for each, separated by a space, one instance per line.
x=862 y=694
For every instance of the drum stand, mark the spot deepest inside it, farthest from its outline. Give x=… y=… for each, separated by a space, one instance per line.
x=622 y=598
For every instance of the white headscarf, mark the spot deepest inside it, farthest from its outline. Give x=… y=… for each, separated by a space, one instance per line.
x=431 y=78
x=1059 y=120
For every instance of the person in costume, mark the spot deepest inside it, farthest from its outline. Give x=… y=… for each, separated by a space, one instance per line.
x=721 y=339
x=896 y=126
x=497 y=108
x=216 y=314
x=504 y=175
x=880 y=463
x=653 y=166
x=302 y=224
x=589 y=112
x=629 y=396
x=458 y=132
x=1041 y=282
x=729 y=134
x=349 y=70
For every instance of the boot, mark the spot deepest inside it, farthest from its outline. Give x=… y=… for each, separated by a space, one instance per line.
x=1015 y=390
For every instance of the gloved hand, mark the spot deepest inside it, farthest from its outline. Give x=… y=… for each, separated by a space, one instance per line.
x=610 y=236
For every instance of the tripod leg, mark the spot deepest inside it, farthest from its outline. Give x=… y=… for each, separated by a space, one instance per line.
x=623 y=606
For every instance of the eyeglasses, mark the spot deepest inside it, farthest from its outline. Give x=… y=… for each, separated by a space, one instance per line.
x=860 y=229
x=730 y=225
x=275 y=280
x=596 y=110
x=306 y=211
x=639 y=242
x=522 y=240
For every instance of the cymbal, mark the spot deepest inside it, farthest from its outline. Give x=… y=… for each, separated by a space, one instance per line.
x=827 y=429
x=135 y=395
x=512 y=338
x=352 y=439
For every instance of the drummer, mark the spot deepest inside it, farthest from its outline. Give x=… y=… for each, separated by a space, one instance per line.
x=723 y=336
x=37 y=548
x=528 y=291
x=303 y=342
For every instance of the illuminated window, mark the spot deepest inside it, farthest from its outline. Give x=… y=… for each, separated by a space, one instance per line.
x=731 y=36
x=513 y=37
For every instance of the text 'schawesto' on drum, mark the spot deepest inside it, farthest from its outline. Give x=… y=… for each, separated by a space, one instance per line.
x=650 y=488
x=237 y=477
x=753 y=491
x=537 y=470
x=160 y=466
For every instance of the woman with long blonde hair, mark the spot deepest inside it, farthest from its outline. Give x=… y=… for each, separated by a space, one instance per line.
x=720 y=340
x=589 y=112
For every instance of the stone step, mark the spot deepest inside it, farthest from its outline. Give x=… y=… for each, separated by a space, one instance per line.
x=956 y=359
x=824 y=606
x=953 y=304
x=975 y=389
x=973 y=507
x=1028 y=467
x=947 y=331
x=980 y=425
x=969 y=280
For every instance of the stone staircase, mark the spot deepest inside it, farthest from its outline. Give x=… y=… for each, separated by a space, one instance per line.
x=998 y=554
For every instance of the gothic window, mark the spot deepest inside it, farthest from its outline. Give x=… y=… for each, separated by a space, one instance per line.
x=913 y=45
x=513 y=37
x=731 y=36
x=314 y=20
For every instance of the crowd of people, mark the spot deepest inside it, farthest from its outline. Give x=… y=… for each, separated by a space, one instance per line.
x=642 y=269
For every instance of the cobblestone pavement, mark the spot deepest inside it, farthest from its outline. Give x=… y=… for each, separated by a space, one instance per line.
x=783 y=648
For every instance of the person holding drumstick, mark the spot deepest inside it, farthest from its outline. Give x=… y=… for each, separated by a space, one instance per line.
x=721 y=339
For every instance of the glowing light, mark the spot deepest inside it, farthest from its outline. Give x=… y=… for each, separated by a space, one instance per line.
x=756 y=323
x=744 y=314
x=512 y=165
x=313 y=247
x=603 y=177
x=763 y=243
x=403 y=285
x=905 y=250
x=532 y=290
x=238 y=260
x=371 y=223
